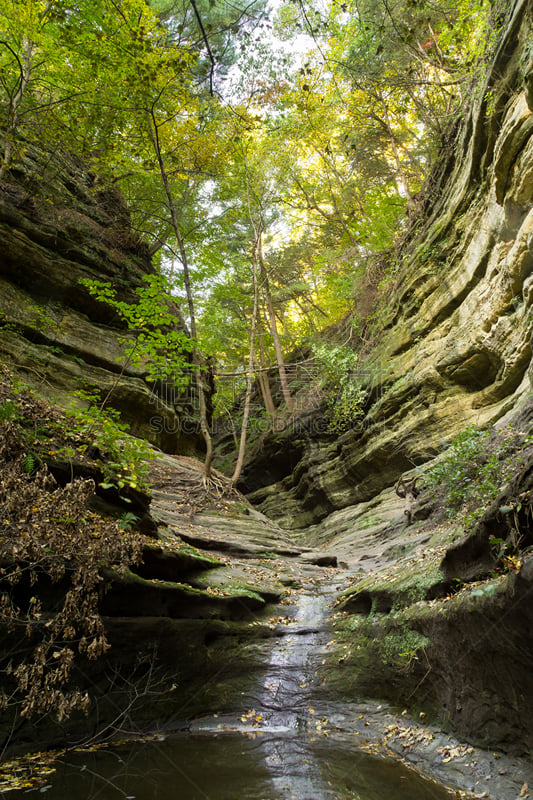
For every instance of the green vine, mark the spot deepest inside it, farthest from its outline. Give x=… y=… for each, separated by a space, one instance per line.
x=343 y=393
x=159 y=346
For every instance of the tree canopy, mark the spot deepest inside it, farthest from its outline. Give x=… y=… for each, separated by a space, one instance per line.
x=270 y=153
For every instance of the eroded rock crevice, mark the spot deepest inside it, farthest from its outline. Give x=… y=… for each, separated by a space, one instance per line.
x=435 y=612
x=436 y=616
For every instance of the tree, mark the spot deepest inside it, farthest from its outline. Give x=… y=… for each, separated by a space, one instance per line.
x=204 y=424
x=34 y=79
x=268 y=205
x=249 y=190
x=214 y=30
x=250 y=374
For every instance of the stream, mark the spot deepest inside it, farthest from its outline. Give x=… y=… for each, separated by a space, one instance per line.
x=279 y=748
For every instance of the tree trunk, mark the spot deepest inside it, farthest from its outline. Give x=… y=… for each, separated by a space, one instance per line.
x=411 y=205
x=274 y=330
x=250 y=376
x=263 y=378
x=202 y=405
x=25 y=67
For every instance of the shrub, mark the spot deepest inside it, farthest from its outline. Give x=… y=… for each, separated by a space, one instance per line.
x=159 y=345
x=402 y=646
x=343 y=393
x=49 y=537
x=125 y=458
x=474 y=468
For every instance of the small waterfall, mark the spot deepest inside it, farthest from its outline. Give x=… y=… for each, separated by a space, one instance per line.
x=291 y=675
x=284 y=754
x=289 y=715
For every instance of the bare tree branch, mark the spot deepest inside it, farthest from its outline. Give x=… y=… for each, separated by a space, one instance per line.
x=206 y=42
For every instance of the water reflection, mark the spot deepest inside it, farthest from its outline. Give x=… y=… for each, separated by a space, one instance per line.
x=275 y=750
x=235 y=767
x=287 y=703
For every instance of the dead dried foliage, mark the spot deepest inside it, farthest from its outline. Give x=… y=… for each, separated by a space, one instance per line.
x=52 y=553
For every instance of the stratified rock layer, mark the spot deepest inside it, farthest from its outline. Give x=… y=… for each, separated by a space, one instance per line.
x=59 y=226
x=431 y=619
x=455 y=340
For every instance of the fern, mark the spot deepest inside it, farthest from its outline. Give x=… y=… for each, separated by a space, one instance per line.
x=31 y=462
x=8 y=411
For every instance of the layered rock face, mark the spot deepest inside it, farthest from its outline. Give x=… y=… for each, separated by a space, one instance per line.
x=433 y=621
x=190 y=625
x=454 y=341
x=57 y=227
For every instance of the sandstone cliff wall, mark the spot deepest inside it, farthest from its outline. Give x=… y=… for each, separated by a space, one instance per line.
x=454 y=346
x=434 y=619
x=58 y=225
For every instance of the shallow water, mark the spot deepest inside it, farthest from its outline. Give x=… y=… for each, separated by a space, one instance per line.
x=278 y=748
x=235 y=767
